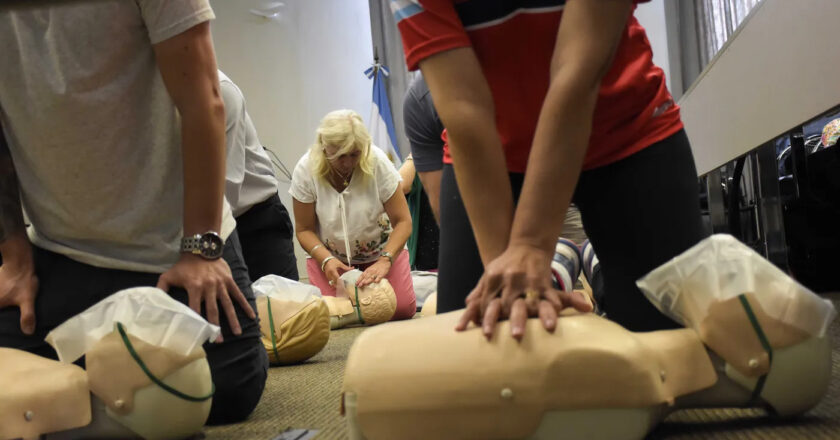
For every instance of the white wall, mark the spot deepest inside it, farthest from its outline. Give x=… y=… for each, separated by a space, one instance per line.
x=295 y=69
x=764 y=82
x=651 y=15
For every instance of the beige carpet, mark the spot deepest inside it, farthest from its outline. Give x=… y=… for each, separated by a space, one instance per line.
x=300 y=396
x=307 y=396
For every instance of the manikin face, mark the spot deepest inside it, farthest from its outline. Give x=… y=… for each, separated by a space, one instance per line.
x=344 y=163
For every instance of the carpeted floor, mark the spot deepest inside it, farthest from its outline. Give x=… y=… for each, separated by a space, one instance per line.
x=307 y=396
x=300 y=396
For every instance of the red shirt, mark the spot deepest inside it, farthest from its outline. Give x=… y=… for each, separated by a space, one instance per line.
x=514 y=43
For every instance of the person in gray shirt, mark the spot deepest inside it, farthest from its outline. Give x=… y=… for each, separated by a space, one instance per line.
x=262 y=222
x=421 y=173
x=114 y=146
x=423 y=129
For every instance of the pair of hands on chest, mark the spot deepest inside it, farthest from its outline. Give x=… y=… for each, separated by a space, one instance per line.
x=374 y=273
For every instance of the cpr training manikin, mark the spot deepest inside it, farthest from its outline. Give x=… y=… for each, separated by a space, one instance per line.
x=753 y=337
x=372 y=304
x=146 y=374
x=294 y=319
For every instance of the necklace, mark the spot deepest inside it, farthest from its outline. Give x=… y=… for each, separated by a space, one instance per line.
x=345 y=180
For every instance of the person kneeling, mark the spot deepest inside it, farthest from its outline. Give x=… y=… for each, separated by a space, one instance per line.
x=346 y=198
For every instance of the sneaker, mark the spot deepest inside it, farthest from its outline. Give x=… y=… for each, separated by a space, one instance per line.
x=566 y=264
x=590 y=261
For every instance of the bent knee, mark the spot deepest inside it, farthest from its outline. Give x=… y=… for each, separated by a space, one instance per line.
x=240 y=382
x=406 y=308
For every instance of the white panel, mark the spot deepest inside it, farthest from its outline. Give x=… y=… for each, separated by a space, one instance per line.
x=651 y=16
x=778 y=71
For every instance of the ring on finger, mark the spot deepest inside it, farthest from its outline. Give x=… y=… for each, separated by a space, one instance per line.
x=532 y=295
x=332 y=283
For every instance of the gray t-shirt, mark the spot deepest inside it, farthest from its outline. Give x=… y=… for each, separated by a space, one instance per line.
x=250 y=177
x=93 y=133
x=423 y=126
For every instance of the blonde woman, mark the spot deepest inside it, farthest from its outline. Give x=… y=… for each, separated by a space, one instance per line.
x=349 y=212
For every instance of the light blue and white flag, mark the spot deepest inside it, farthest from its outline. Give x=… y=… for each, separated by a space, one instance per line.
x=381 y=122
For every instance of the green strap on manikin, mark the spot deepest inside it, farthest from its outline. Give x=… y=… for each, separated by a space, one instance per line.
x=153 y=378
x=271 y=324
x=358 y=307
x=765 y=343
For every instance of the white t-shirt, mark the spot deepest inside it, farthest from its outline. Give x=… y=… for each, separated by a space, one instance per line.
x=362 y=203
x=94 y=135
x=250 y=177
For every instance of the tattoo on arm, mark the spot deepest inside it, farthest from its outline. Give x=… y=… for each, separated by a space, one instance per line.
x=11 y=215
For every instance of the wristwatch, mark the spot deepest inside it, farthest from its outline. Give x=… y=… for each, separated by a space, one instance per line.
x=387 y=255
x=208 y=245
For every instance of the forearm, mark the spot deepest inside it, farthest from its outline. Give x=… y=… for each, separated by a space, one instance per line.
x=399 y=236
x=558 y=150
x=465 y=105
x=203 y=146
x=431 y=184
x=483 y=182
x=434 y=201
x=407 y=173
x=587 y=41
x=309 y=240
x=14 y=245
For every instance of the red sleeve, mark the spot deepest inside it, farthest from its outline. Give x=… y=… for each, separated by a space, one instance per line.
x=428 y=27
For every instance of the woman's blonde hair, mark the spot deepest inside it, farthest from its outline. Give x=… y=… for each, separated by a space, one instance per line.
x=345 y=129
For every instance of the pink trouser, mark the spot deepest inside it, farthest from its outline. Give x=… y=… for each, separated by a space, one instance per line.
x=399 y=276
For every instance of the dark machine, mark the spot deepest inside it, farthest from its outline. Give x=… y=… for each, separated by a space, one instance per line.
x=783 y=200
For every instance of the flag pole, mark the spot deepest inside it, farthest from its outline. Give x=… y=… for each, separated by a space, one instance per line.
x=381 y=124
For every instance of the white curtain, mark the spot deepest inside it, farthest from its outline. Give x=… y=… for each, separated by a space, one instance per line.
x=717 y=21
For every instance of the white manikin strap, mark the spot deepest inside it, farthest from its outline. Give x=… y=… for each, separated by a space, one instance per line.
x=500 y=389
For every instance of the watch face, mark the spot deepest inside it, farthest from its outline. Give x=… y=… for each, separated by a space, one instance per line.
x=210 y=245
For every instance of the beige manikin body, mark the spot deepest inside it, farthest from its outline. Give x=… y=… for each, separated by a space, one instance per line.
x=751 y=330
x=589 y=379
x=112 y=399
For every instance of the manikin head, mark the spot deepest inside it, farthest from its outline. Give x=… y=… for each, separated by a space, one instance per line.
x=145 y=363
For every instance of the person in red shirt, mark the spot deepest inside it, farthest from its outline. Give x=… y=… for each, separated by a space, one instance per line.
x=546 y=102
